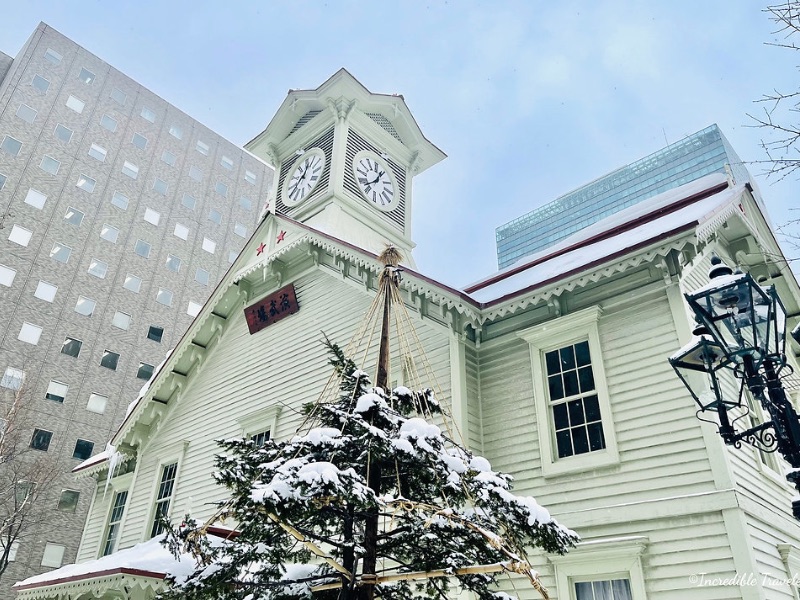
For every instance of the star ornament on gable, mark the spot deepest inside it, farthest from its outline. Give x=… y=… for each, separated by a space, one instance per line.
x=260 y=249
x=281 y=237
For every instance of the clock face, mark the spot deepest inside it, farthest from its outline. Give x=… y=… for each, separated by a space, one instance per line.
x=375 y=180
x=304 y=177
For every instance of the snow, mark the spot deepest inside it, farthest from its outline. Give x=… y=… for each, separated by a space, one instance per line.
x=147 y=556
x=478 y=463
x=421 y=431
x=719 y=282
x=320 y=436
x=543 y=269
x=368 y=401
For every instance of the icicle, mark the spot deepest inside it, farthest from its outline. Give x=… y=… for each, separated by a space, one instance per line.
x=114 y=458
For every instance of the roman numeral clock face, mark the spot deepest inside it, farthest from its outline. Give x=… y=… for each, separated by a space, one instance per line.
x=304 y=177
x=375 y=180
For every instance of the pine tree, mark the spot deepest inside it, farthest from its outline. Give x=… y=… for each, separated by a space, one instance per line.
x=303 y=507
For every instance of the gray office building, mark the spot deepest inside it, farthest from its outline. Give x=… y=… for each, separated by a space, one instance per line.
x=119 y=214
x=700 y=154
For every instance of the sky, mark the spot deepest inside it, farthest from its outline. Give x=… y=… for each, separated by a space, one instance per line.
x=528 y=99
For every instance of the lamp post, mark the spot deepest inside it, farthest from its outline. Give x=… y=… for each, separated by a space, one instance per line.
x=739 y=344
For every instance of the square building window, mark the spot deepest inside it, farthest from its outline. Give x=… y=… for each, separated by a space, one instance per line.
x=130 y=169
x=40 y=83
x=20 y=235
x=145 y=371
x=53 y=555
x=227 y=162
x=201 y=276
x=164 y=297
x=195 y=173
x=49 y=165
x=173 y=263
x=35 y=198
x=45 y=291
x=86 y=183
x=109 y=233
x=240 y=230
x=155 y=333
x=75 y=104
x=221 y=189
x=68 y=501
x=40 y=440
x=160 y=186
x=86 y=76
x=168 y=157
x=250 y=177
x=109 y=123
x=56 y=391
x=119 y=96
x=74 y=217
x=97 y=403
x=189 y=201
x=30 y=333
x=11 y=145
x=181 y=231
x=98 y=152
x=71 y=347
x=176 y=131
x=132 y=283
x=85 y=306
x=139 y=141
x=12 y=378
x=142 y=248
x=53 y=56
x=83 y=449
x=7 y=275
x=202 y=148
x=109 y=360
x=63 y=133
x=121 y=320
x=148 y=115
x=26 y=113
x=120 y=200
x=215 y=216
x=60 y=252
x=193 y=308
x=151 y=216
x=209 y=246
x=98 y=268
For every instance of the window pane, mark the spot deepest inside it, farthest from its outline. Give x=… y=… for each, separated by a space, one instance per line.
x=73 y=216
x=45 y=291
x=132 y=283
x=193 y=309
x=71 y=347
x=570 y=383
x=226 y=162
x=119 y=96
x=215 y=216
x=53 y=555
x=250 y=177
x=83 y=449
x=75 y=104
x=130 y=169
x=195 y=173
x=30 y=333
x=580 y=440
x=109 y=123
x=120 y=200
x=56 y=391
x=60 y=252
x=201 y=276
x=188 y=201
x=555 y=387
x=221 y=189
x=35 y=198
x=175 y=131
x=148 y=114
x=40 y=83
x=582 y=354
x=109 y=360
x=142 y=248
x=139 y=140
x=98 y=268
x=97 y=403
x=155 y=333
x=181 y=231
x=86 y=76
x=50 y=165
x=98 y=152
x=12 y=378
x=109 y=233
x=7 y=275
x=202 y=148
x=551 y=360
x=245 y=203
x=121 y=320
x=26 y=113
x=173 y=263
x=209 y=245
x=53 y=56
x=151 y=216
x=145 y=371
x=240 y=230
x=86 y=183
x=68 y=501
x=168 y=157
x=20 y=235
x=160 y=186
x=586 y=378
x=567 y=357
x=11 y=145
x=63 y=133
x=164 y=297
x=41 y=439
x=85 y=306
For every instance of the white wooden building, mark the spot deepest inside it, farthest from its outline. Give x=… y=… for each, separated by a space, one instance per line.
x=663 y=506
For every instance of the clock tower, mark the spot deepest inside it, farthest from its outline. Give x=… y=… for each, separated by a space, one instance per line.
x=345 y=158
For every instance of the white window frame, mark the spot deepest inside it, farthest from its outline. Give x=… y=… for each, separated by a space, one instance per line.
x=92 y=396
x=152 y=216
x=30 y=333
x=7 y=275
x=20 y=235
x=265 y=419
x=551 y=335
x=35 y=198
x=601 y=559
x=175 y=453
x=45 y=286
x=128 y=477
x=53 y=555
x=75 y=104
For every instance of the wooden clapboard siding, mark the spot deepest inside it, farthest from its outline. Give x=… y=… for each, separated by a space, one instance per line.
x=474 y=434
x=765 y=538
x=285 y=364
x=95 y=525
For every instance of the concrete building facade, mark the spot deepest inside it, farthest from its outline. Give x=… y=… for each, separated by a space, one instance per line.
x=120 y=213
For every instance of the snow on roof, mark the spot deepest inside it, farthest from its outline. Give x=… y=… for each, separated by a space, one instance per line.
x=149 y=559
x=590 y=244
x=94 y=460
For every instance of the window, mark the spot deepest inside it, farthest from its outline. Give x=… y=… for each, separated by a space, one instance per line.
x=49 y=165
x=97 y=403
x=35 y=198
x=12 y=378
x=155 y=333
x=97 y=152
x=181 y=231
x=240 y=230
x=148 y=115
x=250 y=177
x=201 y=276
x=11 y=145
x=53 y=56
x=173 y=263
x=109 y=360
x=245 y=203
x=232 y=256
x=209 y=245
x=164 y=297
x=109 y=233
x=40 y=83
x=53 y=555
x=109 y=123
x=151 y=216
x=130 y=169
x=160 y=186
x=145 y=371
x=75 y=104
x=605 y=569
x=195 y=173
x=202 y=148
x=56 y=391
x=189 y=201
x=68 y=501
x=20 y=235
x=139 y=141
x=40 y=440
x=45 y=291
x=168 y=157
x=221 y=189
x=86 y=183
x=71 y=347
x=7 y=275
x=119 y=96
x=227 y=162
x=73 y=216
x=193 y=308
x=3 y=179
x=63 y=133
x=120 y=200
x=176 y=132
x=85 y=306
x=260 y=438
x=215 y=216
x=60 y=252
x=83 y=449
x=26 y=113
x=115 y=521
x=570 y=394
x=98 y=268
x=163 y=497
x=132 y=283
x=142 y=248
x=121 y=320
x=30 y=333
x=12 y=554
x=86 y=76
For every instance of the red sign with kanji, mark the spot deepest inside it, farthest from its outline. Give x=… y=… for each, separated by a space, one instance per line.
x=271 y=309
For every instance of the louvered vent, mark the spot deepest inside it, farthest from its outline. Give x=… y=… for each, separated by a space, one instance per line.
x=355 y=143
x=325 y=141
x=304 y=119
x=386 y=124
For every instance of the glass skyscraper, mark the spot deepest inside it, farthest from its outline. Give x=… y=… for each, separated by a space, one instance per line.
x=702 y=153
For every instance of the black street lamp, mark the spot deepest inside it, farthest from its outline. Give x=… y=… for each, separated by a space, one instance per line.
x=740 y=342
